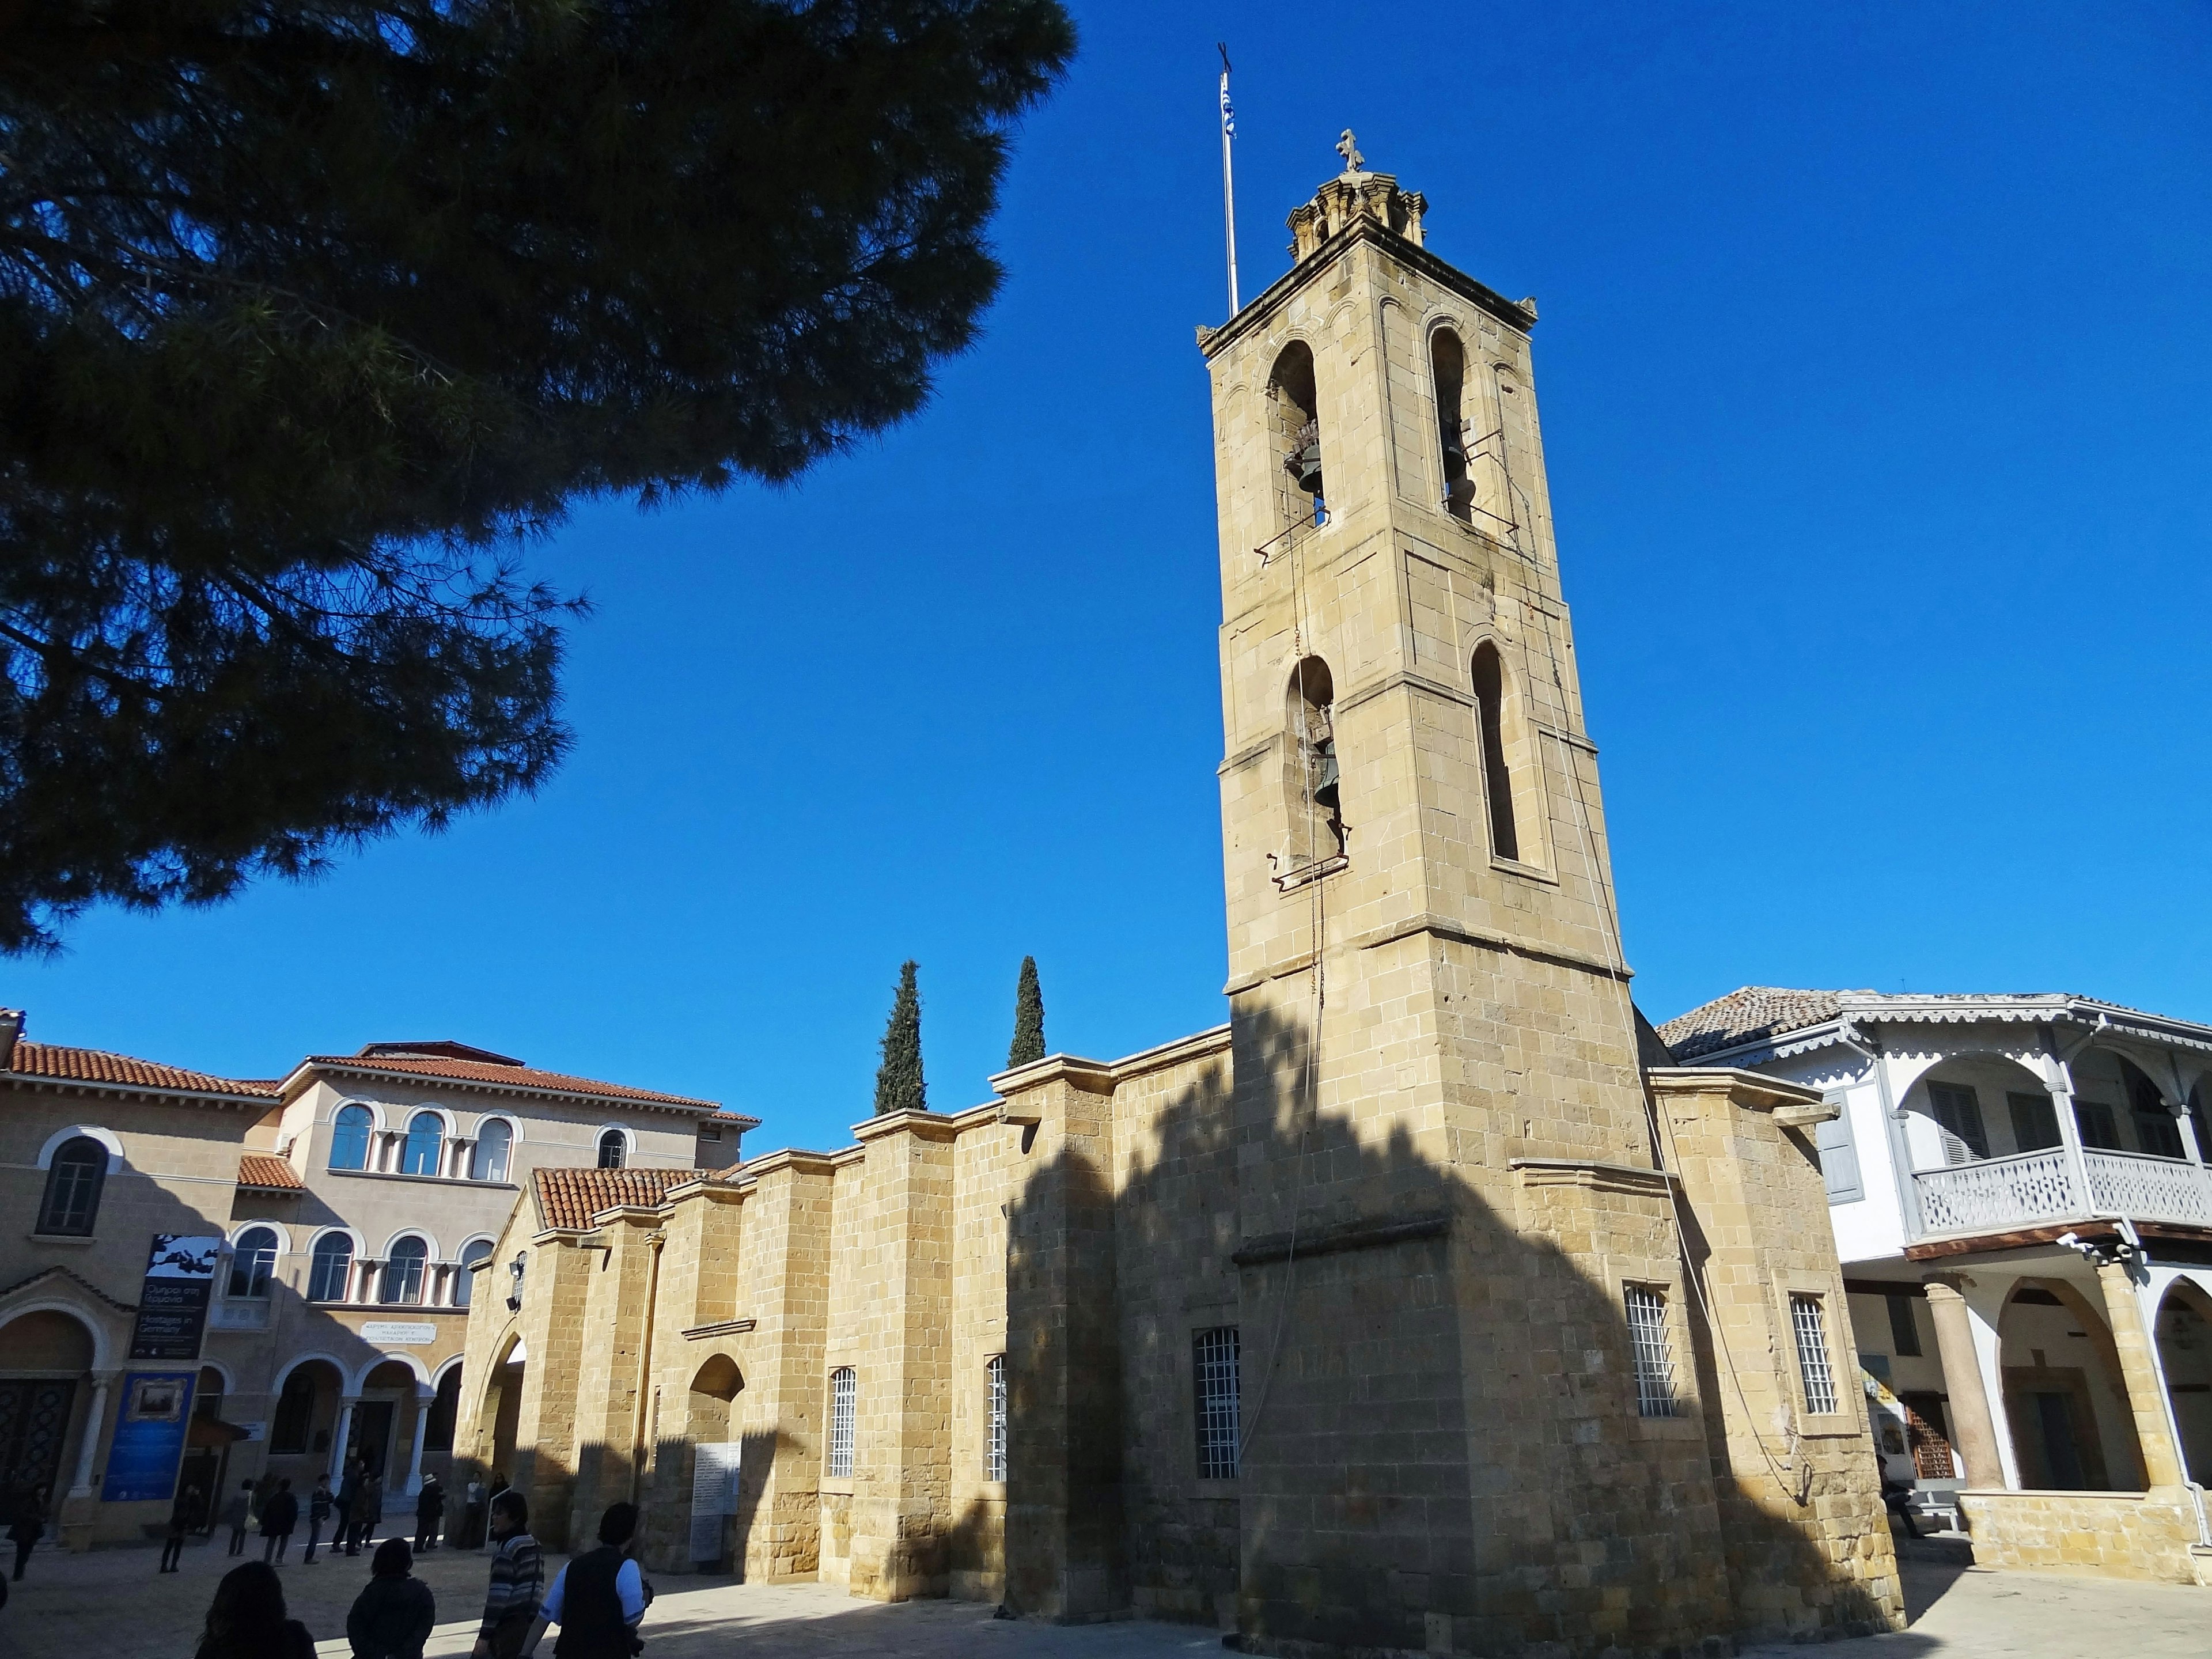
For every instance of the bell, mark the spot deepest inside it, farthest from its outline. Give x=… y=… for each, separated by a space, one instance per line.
x=1324 y=771
x=1304 y=463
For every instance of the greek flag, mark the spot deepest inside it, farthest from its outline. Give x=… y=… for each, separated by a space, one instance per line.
x=1228 y=111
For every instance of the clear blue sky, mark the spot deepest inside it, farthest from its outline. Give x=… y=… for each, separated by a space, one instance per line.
x=1873 y=365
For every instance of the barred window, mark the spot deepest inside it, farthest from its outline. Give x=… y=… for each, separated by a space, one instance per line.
x=995 y=1419
x=1655 y=1359
x=1213 y=1355
x=1806 y=1319
x=844 y=1405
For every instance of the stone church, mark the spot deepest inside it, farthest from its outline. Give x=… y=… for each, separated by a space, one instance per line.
x=1423 y=1305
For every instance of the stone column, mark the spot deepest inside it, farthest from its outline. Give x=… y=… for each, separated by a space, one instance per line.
x=2140 y=1374
x=423 y=1399
x=95 y=1420
x=1974 y=1432
x=340 y=1435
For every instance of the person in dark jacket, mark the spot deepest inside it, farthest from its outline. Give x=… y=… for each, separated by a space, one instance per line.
x=184 y=1518
x=28 y=1524
x=234 y=1516
x=368 y=1512
x=319 y=1516
x=281 y=1515
x=392 y=1619
x=598 y=1598
x=429 y=1510
x=349 y=1490
x=247 y=1618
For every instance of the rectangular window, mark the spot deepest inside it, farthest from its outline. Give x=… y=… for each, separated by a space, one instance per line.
x=2099 y=1128
x=1214 y=1356
x=2158 y=1133
x=1904 y=1330
x=1807 y=1320
x=1655 y=1359
x=2034 y=1121
x=1958 y=1109
x=844 y=1407
x=994 y=1420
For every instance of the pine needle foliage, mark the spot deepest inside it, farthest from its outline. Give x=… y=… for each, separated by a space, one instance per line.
x=899 y=1085
x=1029 y=1017
x=313 y=314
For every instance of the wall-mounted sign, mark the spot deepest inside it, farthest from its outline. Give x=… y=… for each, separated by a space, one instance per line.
x=173 y=1298
x=150 y=1436
x=391 y=1334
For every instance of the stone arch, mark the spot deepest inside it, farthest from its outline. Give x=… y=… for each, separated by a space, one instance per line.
x=61 y=1137
x=1972 y=1105
x=714 y=1389
x=362 y=1372
x=1312 y=770
x=2073 y=1428
x=2183 y=1325
x=51 y=1339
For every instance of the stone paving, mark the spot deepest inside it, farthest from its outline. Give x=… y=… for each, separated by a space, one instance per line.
x=111 y=1605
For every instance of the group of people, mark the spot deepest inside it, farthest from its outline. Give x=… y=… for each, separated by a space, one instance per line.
x=598 y=1599
x=357 y=1507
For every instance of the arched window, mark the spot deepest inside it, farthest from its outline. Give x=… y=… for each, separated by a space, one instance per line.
x=426 y=1144
x=329 y=1268
x=614 y=1149
x=1448 y=368
x=295 y=1413
x=464 y=1281
x=402 y=1271
x=350 y=1132
x=494 y=1139
x=74 y=1178
x=1496 y=773
x=1314 y=791
x=994 y=1417
x=252 y=1259
x=1297 y=421
x=844 y=1408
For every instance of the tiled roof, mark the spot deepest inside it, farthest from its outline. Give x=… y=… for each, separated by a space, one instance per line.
x=569 y=1198
x=1756 y=1011
x=509 y=1077
x=96 y=1066
x=272 y=1174
x=735 y=1118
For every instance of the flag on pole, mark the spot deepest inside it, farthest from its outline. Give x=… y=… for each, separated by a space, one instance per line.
x=1228 y=111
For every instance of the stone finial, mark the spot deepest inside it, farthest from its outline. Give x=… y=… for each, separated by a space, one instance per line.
x=1350 y=151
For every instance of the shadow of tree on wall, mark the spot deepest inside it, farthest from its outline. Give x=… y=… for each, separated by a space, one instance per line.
x=1439 y=1416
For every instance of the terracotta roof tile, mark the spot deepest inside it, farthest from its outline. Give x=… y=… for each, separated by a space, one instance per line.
x=1755 y=1011
x=735 y=1118
x=511 y=1077
x=569 y=1198
x=260 y=1170
x=97 y=1065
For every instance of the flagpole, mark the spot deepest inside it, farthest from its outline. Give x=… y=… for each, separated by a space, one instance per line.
x=1227 y=175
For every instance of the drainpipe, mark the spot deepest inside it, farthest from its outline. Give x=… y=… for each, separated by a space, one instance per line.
x=645 y=1366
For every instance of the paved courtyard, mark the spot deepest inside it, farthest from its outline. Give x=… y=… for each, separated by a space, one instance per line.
x=109 y=1605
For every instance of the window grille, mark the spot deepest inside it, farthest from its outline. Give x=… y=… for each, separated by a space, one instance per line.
x=1215 y=1358
x=1655 y=1359
x=994 y=1421
x=1806 y=1319
x=844 y=1406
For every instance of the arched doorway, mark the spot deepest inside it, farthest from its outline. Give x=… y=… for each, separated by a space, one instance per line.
x=2073 y=1429
x=302 y=1421
x=383 y=1427
x=47 y=1353
x=500 y=1414
x=2185 y=1349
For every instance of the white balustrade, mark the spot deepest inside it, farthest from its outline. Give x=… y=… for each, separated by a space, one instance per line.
x=2148 y=1189
x=1998 y=1191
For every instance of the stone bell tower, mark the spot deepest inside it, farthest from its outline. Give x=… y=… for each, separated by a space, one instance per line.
x=1446 y=1166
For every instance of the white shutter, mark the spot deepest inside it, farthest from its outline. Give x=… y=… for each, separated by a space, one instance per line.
x=1840 y=1158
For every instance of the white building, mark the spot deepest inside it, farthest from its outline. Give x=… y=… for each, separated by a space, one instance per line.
x=2023 y=1208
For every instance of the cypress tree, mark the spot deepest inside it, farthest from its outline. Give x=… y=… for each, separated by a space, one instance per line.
x=899 y=1087
x=1028 y=1018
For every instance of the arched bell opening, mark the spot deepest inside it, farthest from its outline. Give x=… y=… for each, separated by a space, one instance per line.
x=1448 y=370
x=1296 y=422
x=1497 y=725
x=1314 y=772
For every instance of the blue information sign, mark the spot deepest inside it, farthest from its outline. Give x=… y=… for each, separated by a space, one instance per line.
x=150 y=1436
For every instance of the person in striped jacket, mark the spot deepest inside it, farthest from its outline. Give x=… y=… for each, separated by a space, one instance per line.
x=518 y=1580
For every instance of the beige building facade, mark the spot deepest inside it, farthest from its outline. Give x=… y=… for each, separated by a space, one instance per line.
x=1423 y=1305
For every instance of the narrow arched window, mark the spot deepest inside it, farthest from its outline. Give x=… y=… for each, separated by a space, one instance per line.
x=349 y=1133
x=295 y=1413
x=1448 y=368
x=495 y=1137
x=1497 y=773
x=464 y=1281
x=330 y=1268
x=74 y=1178
x=252 y=1259
x=994 y=1419
x=1296 y=422
x=614 y=1150
x=844 y=1410
x=1315 y=781
x=402 y=1271
x=426 y=1145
